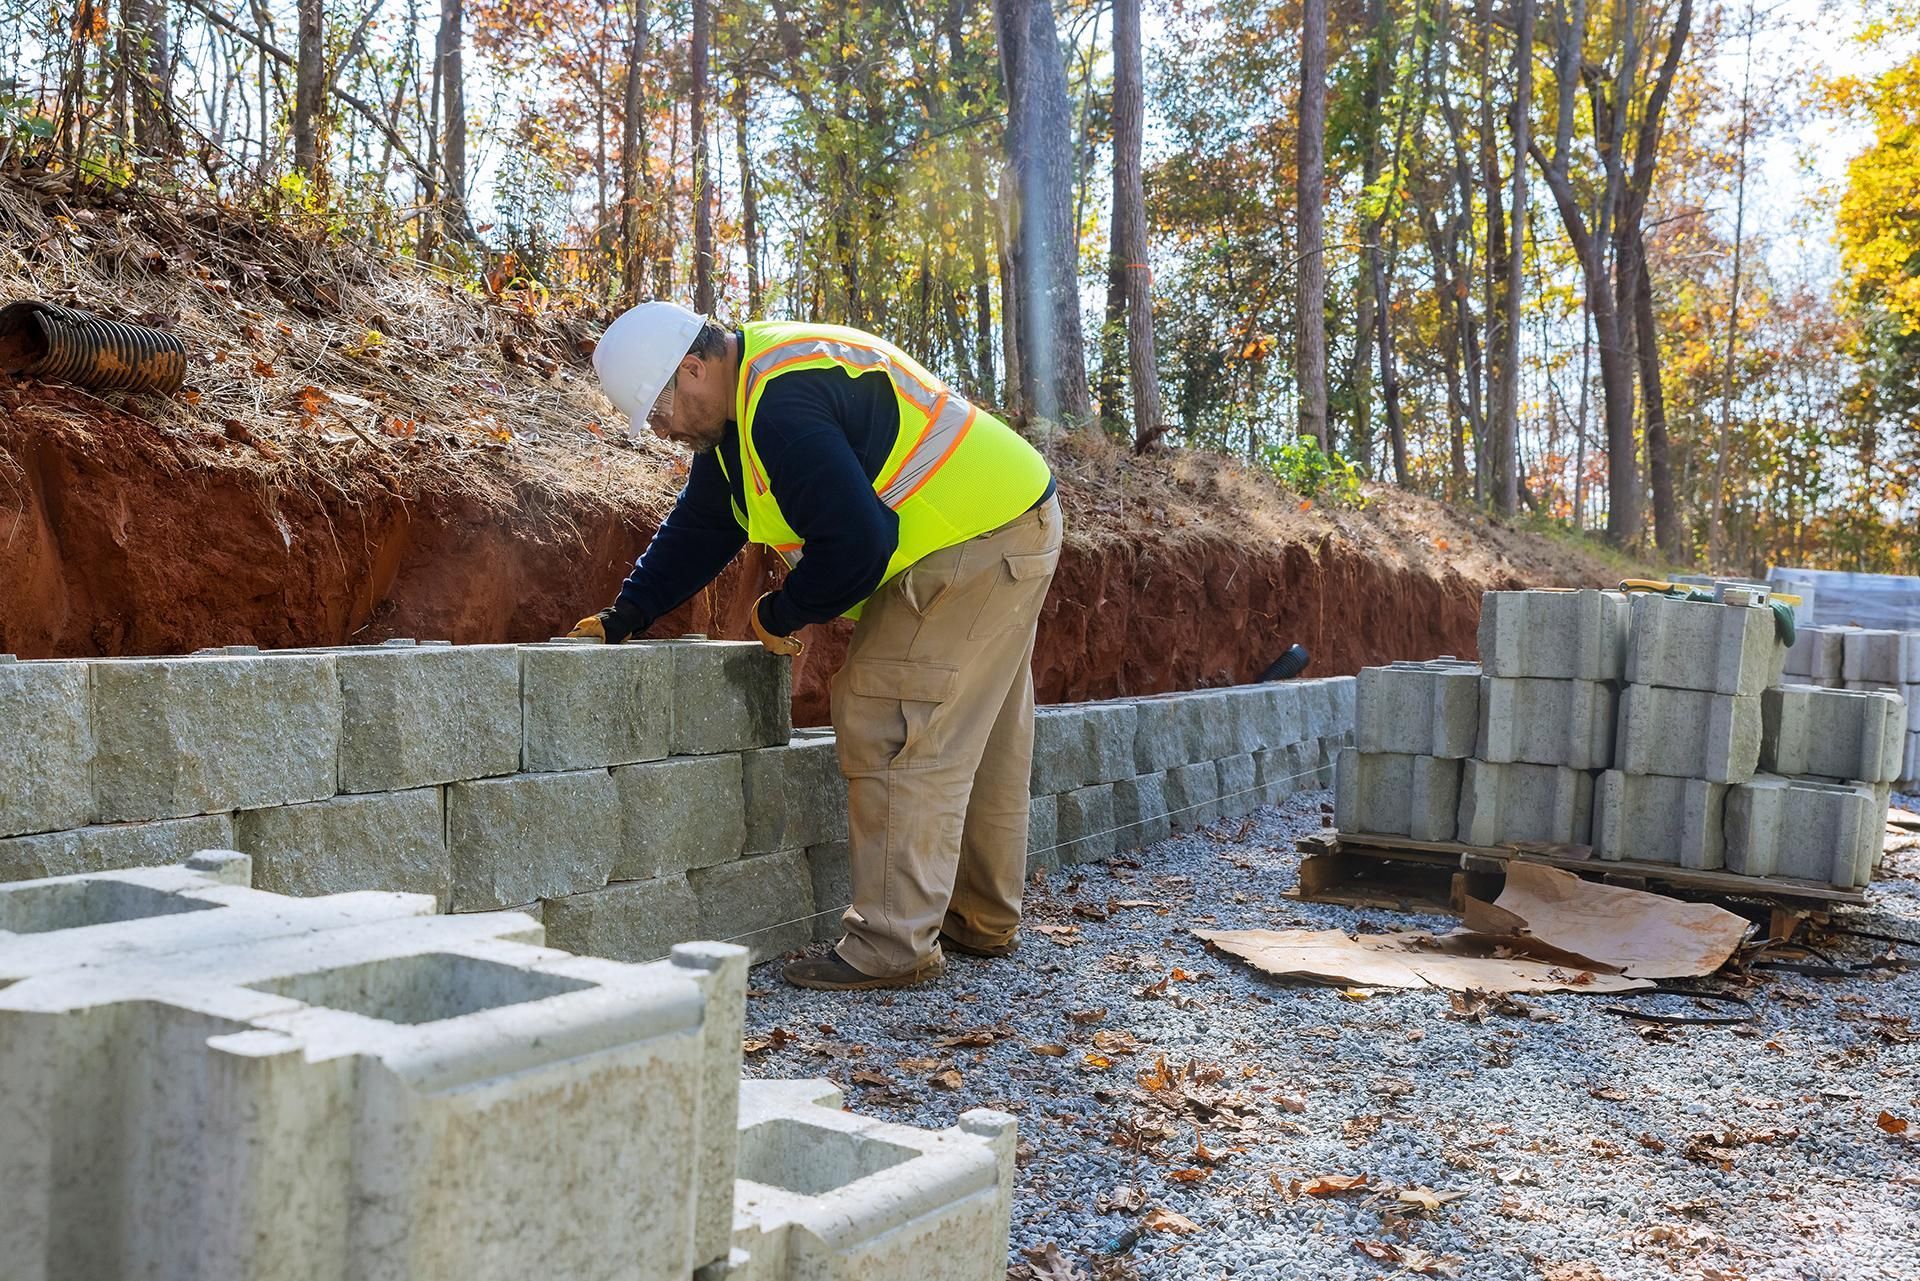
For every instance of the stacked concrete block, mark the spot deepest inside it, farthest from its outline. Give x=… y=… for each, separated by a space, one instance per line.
x=1833 y=734
x=1655 y=818
x=112 y=845
x=180 y=736
x=589 y=706
x=1686 y=644
x=1418 y=709
x=1872 y=658
x=1827 y=832
x=832 y=874
x=1084 y=824
x=625 y=920
x=1546 y=722
x=1082 y=745
x=764 y=903
x=1554 y=635
x=1395 y=794
x=1193 y=795
x=680 y=813
x=512 y=840
x=1140 y=811
x=1043 y=846
x=1688 y=733
x=825 y=1195
x=729 y=696
x=46 y=779
x=415 y=716
x=1505 y=802
x=378 y=841
x=1816 y=657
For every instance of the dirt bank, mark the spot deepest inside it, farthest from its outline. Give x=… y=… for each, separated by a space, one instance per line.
x=118 y=536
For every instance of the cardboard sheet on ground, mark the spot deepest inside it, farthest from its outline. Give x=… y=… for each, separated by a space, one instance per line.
x=1412 y=959
x=1636 y=933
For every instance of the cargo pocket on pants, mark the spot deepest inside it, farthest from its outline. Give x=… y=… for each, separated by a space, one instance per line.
x=892 y=714
x=1019 y=581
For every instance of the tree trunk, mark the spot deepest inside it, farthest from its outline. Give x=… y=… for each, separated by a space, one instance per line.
x=1130 y=221
x=309 y=82
x=1653 y=400
x=702 y=175
x=1046 y=254
x=449 y=51
x=1310 y=151
x=1716 y=523
x=1507 y=466
x=1010 y=295
x=150 y=78
x=633 y=254
x=749 y=202
x=1367 y=280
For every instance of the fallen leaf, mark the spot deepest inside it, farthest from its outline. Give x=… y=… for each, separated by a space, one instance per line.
x=1426 y=1198
x=1100 y=1061
x=1326 y=1185
x=1378 y=1250
x=1891 y=1124
x=1516 y=1175
x=775 y=1039
x=1161 y=1219
x=947 y=1080
x=1608 y=1092
x=1291 y=1102
x=919 y=1065
x=1652 y=1144
x=971 y=1037
x=1087 y=1016
x=1355 y=994
x=864 y=1077
x=1114 y=1041
x=1050 y=1051
x=1186 y=1176
x=1124 y=1199
x=1049 y=1265
x=1157 y=1079
x=1392 y=1086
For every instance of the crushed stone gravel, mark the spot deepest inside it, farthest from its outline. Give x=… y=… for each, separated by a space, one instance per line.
x=1582 y=1146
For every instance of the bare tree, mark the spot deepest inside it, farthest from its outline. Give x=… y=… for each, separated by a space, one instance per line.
x=309 y=83
x=633 y=126
x=1716 y=531
x=702 y=173
x=1130 y=221
x=150 y=76
x=448 y=51
x=1311 y=341
x=1506 y=432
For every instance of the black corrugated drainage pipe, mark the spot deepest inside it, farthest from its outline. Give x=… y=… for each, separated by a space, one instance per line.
x=48 y=341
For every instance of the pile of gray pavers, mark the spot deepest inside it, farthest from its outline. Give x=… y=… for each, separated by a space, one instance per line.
x=205 y=1080
x=1651 y=728
x=630 y=796
x=1833 y=657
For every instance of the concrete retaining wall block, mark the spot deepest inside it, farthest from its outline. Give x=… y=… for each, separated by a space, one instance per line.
x=1085 y=824
x=1832 y=733
x=589 y=706
x=1880 y=657
x=623 y=921
x=764 y=903
x=1829 y=832
x=1418 y=709
x=1193 y=795
x=832 y=887
x=1555 y=635
x=1688 y=733
x=1547 y=722
x=1815 y=655
x=1140 y=811
x=182 y=736
x=729 y=696
x=45 y=765
x=1239 y=785
x=531 y=836
x=679 y=813
x=1267 y=715
x=1393 y=794
x=1653 y=818
x=415 y=716
x=380 y=841
x=112 y=847
x=1043 y=814
x=1500 y=803
x=1685 y=644
x=1082 y=745
x=795 y=795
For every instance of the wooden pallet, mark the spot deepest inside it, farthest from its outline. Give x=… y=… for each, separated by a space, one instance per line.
x=1398 y=873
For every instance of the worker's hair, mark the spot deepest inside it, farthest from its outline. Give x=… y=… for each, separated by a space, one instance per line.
x=710 y=343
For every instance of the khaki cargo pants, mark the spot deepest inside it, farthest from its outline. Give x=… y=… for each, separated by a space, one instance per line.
x=934 y=715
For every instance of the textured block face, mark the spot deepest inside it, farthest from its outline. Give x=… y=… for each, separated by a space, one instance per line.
x=592 y=706
x=182 y=736
x=1502 y=803
x=1910 y=772
x=795 y=796
x=1812 y=831
x=1688 y=734
x=1554 y=635
x=1085 y=824
x=1082 y=745
x=1159 y=735
x=1877 y=657
x=1140 y=812
x=1839 y=734
x=1393 y=794
x=1042 y=833
x=1544 y=722
x=414 y=716
x=45 y=778
x=1684 y=644
x=625 y=921
x=112 y=847
x=832 y=888
x=1267 y=715
x=1239 y=786
x=729 y=696
x=1193 y=795
x=1418 y=709
x=1651 y=818
x=1815 y=655
x=382 y=841
x=765 y=904
x=513 y=840
x=1911 y=693
x=677 y=814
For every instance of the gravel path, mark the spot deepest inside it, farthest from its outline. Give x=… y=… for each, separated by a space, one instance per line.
x=1565 y=1143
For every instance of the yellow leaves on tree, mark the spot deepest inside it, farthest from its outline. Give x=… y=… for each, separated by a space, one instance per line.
x=1879 y=216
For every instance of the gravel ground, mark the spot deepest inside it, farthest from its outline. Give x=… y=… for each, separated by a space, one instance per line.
x=1582 y=1146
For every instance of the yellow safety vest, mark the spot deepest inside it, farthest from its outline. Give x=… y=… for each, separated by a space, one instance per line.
x=955 y=470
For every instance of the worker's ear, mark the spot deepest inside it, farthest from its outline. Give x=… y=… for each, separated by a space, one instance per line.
x=691 y=366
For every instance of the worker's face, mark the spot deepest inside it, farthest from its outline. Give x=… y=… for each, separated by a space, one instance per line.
x=694 y=409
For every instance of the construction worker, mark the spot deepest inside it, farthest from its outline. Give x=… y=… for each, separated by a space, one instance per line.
x=920 y=515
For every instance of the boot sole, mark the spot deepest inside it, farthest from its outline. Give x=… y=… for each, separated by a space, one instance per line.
x=967 y=949
x=892 y=981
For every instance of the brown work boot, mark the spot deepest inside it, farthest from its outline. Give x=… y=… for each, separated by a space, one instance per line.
x=997 y=950
x=829 y=973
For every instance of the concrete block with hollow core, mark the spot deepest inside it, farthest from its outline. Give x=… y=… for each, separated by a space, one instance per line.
x=419 y=715
x=1418 y=709
x=1829 y=832
x=377 y=841
x=1396 y=794
x=1658 y=818
x=528 y=836
x=1688 y=733
x=46 y=768
x=729 y=696
x=1689 y=644
x=1084 y=824
x=588 y=706
x=1845 y=735
x=1551 y=635
x=1547 y=722
x=182 y=736
x=1506 y=802
x=680 y=813
x=1140 y=812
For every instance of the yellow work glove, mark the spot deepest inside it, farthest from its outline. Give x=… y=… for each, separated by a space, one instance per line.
x=786 y=645
x=589 y=628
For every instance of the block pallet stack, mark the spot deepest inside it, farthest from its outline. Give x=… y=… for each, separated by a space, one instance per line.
x=1865 y=659
x=1640 y=725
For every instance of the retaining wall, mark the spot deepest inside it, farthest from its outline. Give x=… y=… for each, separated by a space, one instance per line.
x=632 y=796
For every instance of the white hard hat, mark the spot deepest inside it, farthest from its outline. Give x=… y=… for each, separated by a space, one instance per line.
x=637 y=355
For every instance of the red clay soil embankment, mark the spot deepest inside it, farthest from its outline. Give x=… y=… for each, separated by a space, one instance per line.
x=115 y=539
